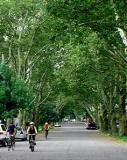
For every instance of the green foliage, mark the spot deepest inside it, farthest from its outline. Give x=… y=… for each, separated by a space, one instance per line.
x=69 y=52
x=13 y=92
x=21 y=94
x=2 y=108
x=98 y=15
x=48 y=114
x=95 y=56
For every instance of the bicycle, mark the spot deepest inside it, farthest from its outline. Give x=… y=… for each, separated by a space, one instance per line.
x=31 y=142
x=11 y=142
x=46 y=133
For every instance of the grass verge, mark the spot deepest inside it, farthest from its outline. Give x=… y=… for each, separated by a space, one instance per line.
x=115 y=137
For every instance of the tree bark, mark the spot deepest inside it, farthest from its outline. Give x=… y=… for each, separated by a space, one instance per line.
x=113 y=124
x=122 y=112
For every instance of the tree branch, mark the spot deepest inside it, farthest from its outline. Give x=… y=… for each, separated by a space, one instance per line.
x=44 y=99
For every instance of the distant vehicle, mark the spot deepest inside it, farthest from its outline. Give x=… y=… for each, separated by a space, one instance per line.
x=66 y=119
x=21 y=134
x=3 y=136
x=91 y=126
x=57 y=124
x=73 y=120
x=117 y=124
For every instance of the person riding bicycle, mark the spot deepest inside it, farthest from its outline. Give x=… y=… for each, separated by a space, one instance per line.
x=32 y=130
x=12 y=129
x=46 y=128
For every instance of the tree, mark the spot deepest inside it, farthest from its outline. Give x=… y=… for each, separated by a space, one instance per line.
x=13 y=92
x=109 y=25
x=48 y=113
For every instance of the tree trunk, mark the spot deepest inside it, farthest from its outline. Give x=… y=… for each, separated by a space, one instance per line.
x=103 y=120
x=109 y=122
x=3 y=58
x=20 y=117
x=24 y=119
x=122 y=113
x=103 y=124
x=36 y=116
x=113 y=124
x=122 y=123
x=97 y=116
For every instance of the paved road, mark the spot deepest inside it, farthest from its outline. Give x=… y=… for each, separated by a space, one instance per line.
x=70 y=142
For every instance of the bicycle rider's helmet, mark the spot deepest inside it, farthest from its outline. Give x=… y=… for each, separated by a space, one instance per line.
x=31 y=123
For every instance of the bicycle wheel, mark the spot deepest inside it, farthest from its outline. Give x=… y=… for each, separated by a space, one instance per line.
x=13 y=146
x=9 y=144
x=32 y=148
x=12 y=142
x=46 y=134
x=9 y=148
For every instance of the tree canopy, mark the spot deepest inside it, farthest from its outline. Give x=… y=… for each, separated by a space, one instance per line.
x=69 y=54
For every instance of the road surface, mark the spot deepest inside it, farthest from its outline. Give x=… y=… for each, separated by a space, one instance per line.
x=69 y=142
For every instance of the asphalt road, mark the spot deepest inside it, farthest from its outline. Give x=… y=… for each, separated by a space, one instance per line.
x=69 y=142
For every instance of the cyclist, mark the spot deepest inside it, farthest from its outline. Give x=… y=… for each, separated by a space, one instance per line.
x=32 y=130
x=46 y=128
x=12 y=130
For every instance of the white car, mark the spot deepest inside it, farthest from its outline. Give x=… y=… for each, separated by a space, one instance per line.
x=57 y=124
x=73 y=120
x=3 y=135
x=66 y=119
x=20 y=134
